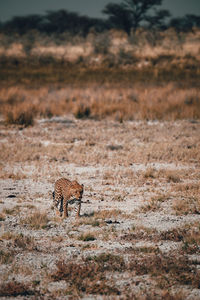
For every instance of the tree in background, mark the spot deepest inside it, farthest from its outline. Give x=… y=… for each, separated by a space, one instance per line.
x=22 y=25
x=62 y=20
x=157 y=21
x=119 y=17
x=54 y=22
x=129 y=14
x=186 y=23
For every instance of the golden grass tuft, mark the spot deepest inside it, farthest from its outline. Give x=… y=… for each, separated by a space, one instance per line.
x=187 y=205
x=37 y=220
x=19 y=240
x=87 y=237
x=20 y=115
x=81 y=111
x=116 y=101
x=6 y=257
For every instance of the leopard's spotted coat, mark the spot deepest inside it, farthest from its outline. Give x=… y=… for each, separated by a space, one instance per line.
x=67 y=192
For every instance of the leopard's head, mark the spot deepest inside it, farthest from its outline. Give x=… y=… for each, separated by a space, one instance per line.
x=76 y=190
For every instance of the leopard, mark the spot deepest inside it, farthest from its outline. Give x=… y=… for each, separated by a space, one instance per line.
x=67 y=192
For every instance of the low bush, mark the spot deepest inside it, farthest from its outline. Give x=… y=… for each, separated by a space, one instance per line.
x=85 y=277
x=81 y=111
x=37 y=220
x=14 y=289
x=23 y=116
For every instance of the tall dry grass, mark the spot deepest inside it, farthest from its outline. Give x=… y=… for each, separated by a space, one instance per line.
x=145 y=76
x=20 y=105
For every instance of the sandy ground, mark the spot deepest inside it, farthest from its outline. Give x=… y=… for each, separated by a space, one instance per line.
x=141 y=182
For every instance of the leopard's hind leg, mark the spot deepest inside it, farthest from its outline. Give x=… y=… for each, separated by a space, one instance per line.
x=61 y=207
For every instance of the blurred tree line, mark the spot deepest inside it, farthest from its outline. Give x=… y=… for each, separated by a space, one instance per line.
x=128 y=15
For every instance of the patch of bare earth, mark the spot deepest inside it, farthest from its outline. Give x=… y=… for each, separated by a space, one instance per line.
x=138 y=235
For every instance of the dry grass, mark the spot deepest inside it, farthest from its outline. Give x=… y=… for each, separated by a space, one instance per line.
x=171 y=176
x=14 y=289
x=109 y=262
x=2 y=217
x=11 y=211
x=86 y=278
x=187 y=189
x=37 y=220
x=81 y=111
x=154 y=203
x=15 y=176
x=23 y=116
x=189 y=235
x=121 y=103
x=103 y=214
x=92 y=221
x=6 y=257
x=87 y=237
x=19 y=240
x=164 y=270
x=167 y=270
x=189 y=205
x=121 y=163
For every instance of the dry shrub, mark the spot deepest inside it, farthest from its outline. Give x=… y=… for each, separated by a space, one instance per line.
x=14 y=176
x=6 y=257
x=141 y=233
x=176 y=235
x=108 y=214
x=12 y=211
x=154 y=203
x=19 y=240
x=172 y=176
x=37 y=220
x=114 y=147
x=101 y=43
x=150 y=173
x=189 y=235
x=119 y=103
x=187 y=205
x=167 y=270
x=81 y=111
x=20 y=115
x=2 y=217
x=23 y=242
x=86 y=237
x=189 y=189
x=170 y=104
x=89 y=221
x=90 y=276
x=14 y=289
x=86 y=278
x=109 y=262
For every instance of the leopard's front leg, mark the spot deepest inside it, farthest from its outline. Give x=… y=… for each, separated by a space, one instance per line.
x=57 y=199
x=79 y=208
x=65 y=207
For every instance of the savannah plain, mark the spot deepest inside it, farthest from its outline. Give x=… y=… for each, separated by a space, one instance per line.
x=121 y=115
